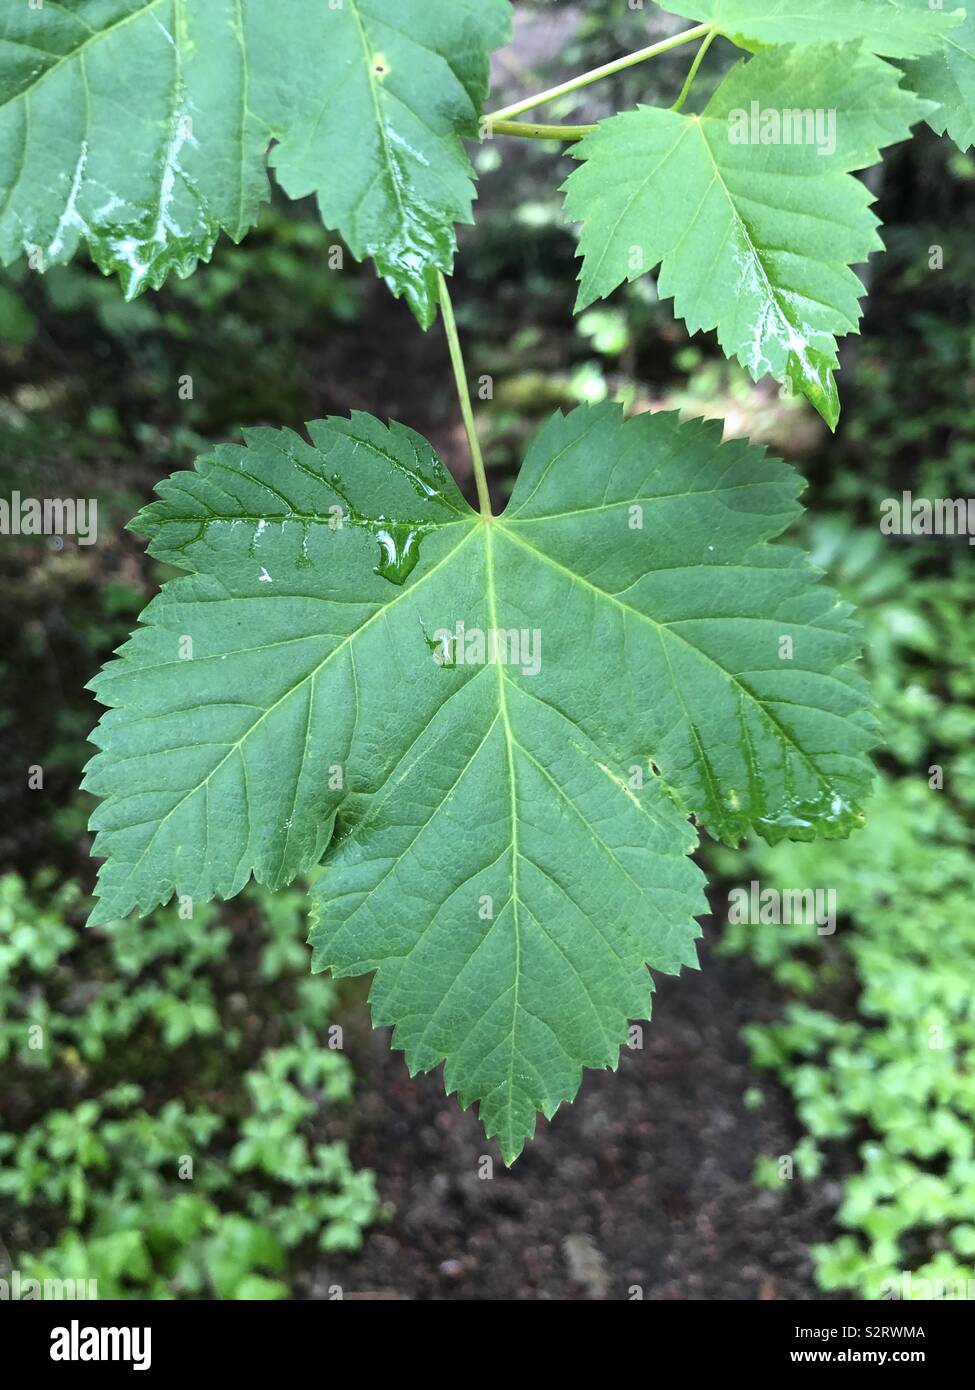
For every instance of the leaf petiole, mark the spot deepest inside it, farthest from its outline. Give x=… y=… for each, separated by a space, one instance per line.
x=464 y=396
x=529 y=130
x=629 y=60
x=698 y=60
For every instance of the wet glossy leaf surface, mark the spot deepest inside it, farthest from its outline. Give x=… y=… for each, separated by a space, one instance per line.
x=142 y=128
x=753 y=238
x=506 y=833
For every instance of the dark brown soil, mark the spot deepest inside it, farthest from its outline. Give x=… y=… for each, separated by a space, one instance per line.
x=642 y=1188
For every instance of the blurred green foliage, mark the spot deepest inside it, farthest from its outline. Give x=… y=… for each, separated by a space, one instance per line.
x=882 y=1056
x=235 y=344
x=203 y=1195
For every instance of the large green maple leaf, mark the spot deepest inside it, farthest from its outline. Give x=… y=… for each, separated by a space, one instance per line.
x=142 y=127
x=892 y=28
x=948 y=78
x=753 y=239
x=493 y=730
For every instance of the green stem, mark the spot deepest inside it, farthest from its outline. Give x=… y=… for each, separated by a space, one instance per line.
x=698 y=60
x=607 y=70
x=464 y=396
x=530 y=131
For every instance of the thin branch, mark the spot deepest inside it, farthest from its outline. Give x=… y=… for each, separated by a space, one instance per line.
x=607 y=70
x=464 y=396
x=698 y=60
x=529 y=130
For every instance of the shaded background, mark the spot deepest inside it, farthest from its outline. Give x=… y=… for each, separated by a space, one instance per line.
x=179 y=1117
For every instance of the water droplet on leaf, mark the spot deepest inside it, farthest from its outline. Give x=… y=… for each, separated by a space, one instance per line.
x=399 y=551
